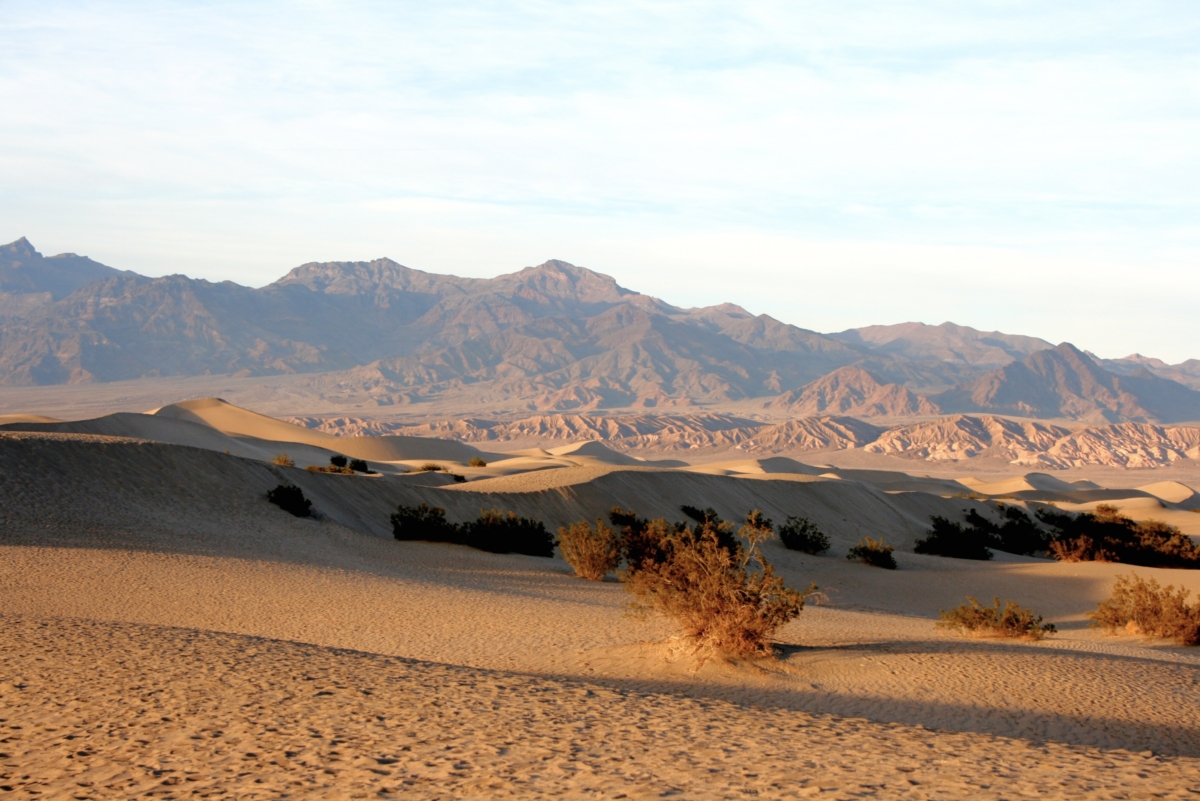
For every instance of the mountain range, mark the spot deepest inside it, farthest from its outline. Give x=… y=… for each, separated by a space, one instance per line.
x=553 y=337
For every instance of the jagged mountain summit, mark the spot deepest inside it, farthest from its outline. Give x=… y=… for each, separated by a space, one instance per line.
x=552 y=337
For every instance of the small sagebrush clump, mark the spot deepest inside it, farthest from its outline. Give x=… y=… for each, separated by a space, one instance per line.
x=424 y=522
x=430 y=467
x=476 y=462
x=1106 y=535
x=799 y=534
x=337 y=460
x=993 y=621
x=498 y=532
x=592 y=552
x=283 y=460
x=290 y=499
x=947 y=538
x=874 y=553
x=360 y=466
x=1140 y=607
x=717 y=586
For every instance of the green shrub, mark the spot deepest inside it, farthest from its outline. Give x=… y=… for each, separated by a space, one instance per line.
x=1018 y=533
x=360 y=466
x=951 y=539
x=1106 y=535
x=337 y=460
x=799 y=534
x=726 y=599
x=993 y=621
x=290 y=499
x=1140 y=607
x=476 y=462
x=874 y=553
x=592 y=552
x=498 y=532
x=708 y=515
x=424 y=522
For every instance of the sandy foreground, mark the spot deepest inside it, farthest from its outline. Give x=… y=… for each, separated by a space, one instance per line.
x=126 y=673
x=166 y=632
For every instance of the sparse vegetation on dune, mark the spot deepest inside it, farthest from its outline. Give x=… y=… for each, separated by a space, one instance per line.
x=494 y=530
x=716 y=585
x=423 y=522
x=290 y=499
x=799 y=534
x=947 y=538
x=500 y=532
x=593 y=552
x=875 y=553
x=1011 y=620
x=1142 y=607
x=430 y=467
x=1106 y=535
x=476 y=462
x=283 y=460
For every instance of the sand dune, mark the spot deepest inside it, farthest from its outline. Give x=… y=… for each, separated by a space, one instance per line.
x=238 y=422
x=1173 y=492
x=186 y=635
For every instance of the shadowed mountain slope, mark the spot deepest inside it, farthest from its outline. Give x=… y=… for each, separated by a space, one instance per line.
x=547 y=338
x=853 y=391
x=24 y=271
x=1064 y=382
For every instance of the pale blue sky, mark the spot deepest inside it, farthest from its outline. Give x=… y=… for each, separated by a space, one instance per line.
x=1031 y=167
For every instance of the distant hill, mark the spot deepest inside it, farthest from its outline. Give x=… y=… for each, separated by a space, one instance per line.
x=852 y=391
x=548 y=338
x=947 y=342
x=1064 y=382
x=25 y=271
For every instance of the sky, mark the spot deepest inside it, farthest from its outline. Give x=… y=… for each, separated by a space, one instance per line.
x=1031 y=167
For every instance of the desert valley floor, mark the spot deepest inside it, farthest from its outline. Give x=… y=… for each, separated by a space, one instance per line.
x=169 y=633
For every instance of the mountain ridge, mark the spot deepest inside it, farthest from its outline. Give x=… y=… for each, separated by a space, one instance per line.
x=554 y=336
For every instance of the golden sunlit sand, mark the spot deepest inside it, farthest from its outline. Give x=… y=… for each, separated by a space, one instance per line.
x=168 y=632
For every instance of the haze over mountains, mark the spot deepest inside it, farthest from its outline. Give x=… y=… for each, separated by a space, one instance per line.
x=553 y=337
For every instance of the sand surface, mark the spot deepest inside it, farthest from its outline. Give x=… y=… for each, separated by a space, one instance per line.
x=164 y=630
x=95 y=710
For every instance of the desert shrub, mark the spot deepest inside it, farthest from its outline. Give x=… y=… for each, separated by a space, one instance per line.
x=337 y=460
x=345 y=471
x=290 y=499
x=477 y=462
x=498 y=532
x=1140 y=607
x=458 y=477
x=726 y=599
x=799 y=534
x=359 y=466
x=430 y=467
x=1106 y=535
x=424 y=522
x=993 y=621
x=873 y=552
x=283 y=460
x=592 y=552
x=947 y=538
x=638 y=543
x=1018 y=533
x=708 y=515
